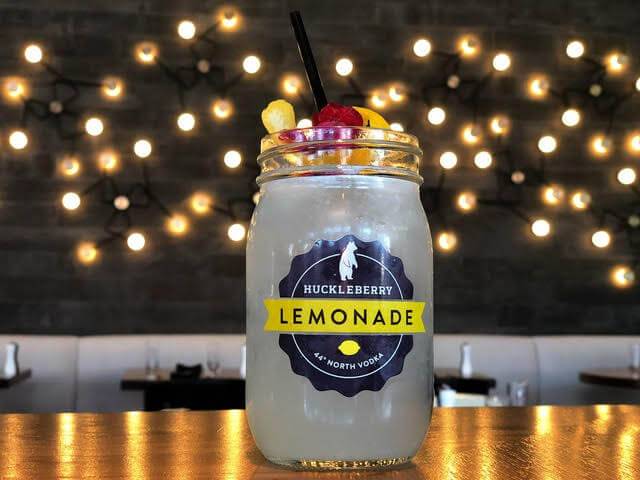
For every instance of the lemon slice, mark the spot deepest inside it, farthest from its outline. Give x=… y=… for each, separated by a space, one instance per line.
x=372 y=119
x=278 y=115
x=349 y=347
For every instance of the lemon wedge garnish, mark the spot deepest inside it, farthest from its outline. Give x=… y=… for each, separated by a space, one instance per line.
x=349 y=347
x=278 y=115
x=372 y=119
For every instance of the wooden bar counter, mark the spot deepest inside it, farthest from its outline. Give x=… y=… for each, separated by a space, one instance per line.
x=545 y=443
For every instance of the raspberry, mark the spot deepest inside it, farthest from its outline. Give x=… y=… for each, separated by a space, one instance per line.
x=334 y=114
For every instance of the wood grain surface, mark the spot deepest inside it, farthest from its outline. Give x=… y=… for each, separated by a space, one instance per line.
x=545 y=443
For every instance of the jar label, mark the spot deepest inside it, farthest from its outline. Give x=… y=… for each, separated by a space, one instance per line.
x=345 y=315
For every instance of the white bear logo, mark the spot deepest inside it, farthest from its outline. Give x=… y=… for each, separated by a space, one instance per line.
x=348 y=261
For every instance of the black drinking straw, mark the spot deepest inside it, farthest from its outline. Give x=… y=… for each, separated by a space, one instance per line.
x=315 y=82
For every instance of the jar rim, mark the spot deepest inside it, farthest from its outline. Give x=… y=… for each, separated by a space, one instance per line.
x=397 y=153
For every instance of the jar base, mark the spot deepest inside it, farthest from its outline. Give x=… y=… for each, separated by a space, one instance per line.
x=320 y=465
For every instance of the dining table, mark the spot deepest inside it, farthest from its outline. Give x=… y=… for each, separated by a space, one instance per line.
x=533 y=443
x=623 y=377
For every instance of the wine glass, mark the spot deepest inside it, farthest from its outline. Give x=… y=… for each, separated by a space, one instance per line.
x=214 y=359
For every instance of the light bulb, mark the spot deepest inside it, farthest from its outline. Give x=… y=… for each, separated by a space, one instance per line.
x=71 y=200
x=108 y=160
x=186 y=121
x=626 y=176
x=571 y=117
x=501 y=62
x=448 y=160
x=304 y=123
x=236 y=232
x=634 y=220
x=222 y=108
x=396 y=127
x=538 y=86
x=453 y=81
x=33 y=53
x=518 y=177
x=446 y=241
x=229 y=19
x=575 y=49
x=552 y=194
x=580 y=200
x=601 y=239
x=14 y=89
x=436 y=116
x=232 y=159
x=483 y=159
x=470 y=134
x=142 y=148
x=547 y=144
x=616 y=62
x=633 y=143
x=18 y=139
x=87 y=253
x=136 y=241
x=255 y=198
x=94 y=126
x=251 y=64
x=121 y=203
x=69 y=166
x=396 y=93
x=344 y=67
x=467 y=201
x=56 y=107
x=378 y=99
x=422 y=47
x=201 y=203
x=499 y=125
x=622 y=276
x=112 y=88
x=291 y=85
x=469 y=46
x=595 y=90
x=540 y=227
x=637 y=84
x=601 y=145
x=186 y=29
x=146 y=52
x=177 y=225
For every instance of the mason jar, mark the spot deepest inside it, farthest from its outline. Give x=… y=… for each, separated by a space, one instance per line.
x=339 y=300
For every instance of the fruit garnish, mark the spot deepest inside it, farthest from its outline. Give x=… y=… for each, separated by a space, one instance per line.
x=372 y=119
x=334 y=114
x=278 y=115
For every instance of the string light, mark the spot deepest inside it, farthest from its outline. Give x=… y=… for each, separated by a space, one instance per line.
x=344 y=67
x=552 y=194
x=222 y=108
x=304 y=123
x=121 y=203
x=547 y=144
x=108 y=160
x=229 y=19
x=453 y=81
x=538 y=86
x=71 y=201
x=186 y=121
x=616 y=62
x=378 y=100
x=18 y=139
x=626 y=176
x=448 y=160
x=540 y=227
x=397 y=93
x=232 y=159
x=136 y=241
x=633 y=143
x=470 y=134
x=94 y=126
x=601 y=239
x=33 y=53
x=291 y=85
x=580 y=200
x=112 y=88
x=482 y=159
x=251 y=64
x=436 y=116
x=186 y=29
x=142 y=148
x=69 y=166
x=469 y=46
x=637 y=84
x=146 y=52
x=595 y=90
x=622 y=276
x=634 y=221
x=255 y=198
x=422 y=47
x=236 y=232
x=467 y=201
x=518 y=177
x=601 y=145
x=14 y=89
x=571 y=117
x=177 y=225
x=396 y=127
x=446 y=241
x=575 y=49
x=499 y=125
x=87 y=253
x=501 y=62
x=201 y=203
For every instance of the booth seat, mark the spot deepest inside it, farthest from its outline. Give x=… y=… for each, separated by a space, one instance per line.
x=84 y=373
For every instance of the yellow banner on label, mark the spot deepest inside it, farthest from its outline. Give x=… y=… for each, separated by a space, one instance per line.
x=352 y=316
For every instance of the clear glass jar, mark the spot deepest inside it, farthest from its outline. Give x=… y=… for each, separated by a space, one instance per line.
x=339 y=300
